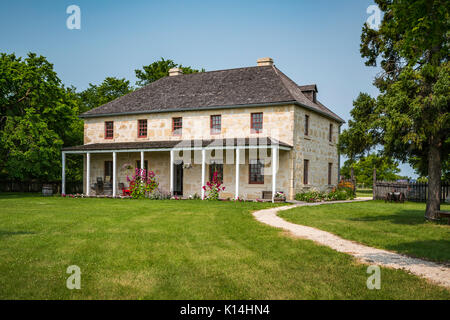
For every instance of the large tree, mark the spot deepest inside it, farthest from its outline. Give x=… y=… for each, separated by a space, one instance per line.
x=360 y=136
x=37 y=116
x=159 y=69
x=412 y=111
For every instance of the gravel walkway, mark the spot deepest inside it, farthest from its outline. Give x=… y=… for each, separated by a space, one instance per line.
x=435 y=272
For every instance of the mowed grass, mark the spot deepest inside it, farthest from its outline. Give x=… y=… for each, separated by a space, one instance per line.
x=393 y=226
x=364 y=192
x=174 y=250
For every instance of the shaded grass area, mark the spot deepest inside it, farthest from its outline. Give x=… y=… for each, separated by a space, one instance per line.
x=174 y=250
x=393 y=226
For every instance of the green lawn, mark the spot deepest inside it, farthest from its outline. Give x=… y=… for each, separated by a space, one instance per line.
x=364 y=192
x=393 y=226
x=174 y=250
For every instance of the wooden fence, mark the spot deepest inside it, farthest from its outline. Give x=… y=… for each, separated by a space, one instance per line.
x=413 y=191
x=36 y=186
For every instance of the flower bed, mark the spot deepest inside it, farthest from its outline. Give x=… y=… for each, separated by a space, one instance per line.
x=142 y=183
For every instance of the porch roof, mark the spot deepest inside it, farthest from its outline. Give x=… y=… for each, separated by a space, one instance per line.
x=168 y=145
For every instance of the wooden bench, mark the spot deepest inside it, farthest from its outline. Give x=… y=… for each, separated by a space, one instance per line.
x=444 y=214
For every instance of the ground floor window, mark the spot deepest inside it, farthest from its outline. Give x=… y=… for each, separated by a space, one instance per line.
x=305 y=171
x=216 y=167
x=138 y=164
x=256 y=172
x=108 y=171
x=330 y=168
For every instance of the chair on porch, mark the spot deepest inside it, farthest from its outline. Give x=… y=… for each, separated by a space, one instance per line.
x=99 y=186
x=125 y=192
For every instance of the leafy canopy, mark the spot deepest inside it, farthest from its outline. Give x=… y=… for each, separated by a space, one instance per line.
x=96 y=95
x=387 y=169
x=37 y=116
x=159 y=69
x=411 y=114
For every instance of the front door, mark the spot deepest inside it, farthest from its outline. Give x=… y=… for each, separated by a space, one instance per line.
x=178 y=179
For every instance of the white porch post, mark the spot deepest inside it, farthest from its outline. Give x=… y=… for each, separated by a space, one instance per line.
x=142 y=160
x=63 y=177
x=203 y=171
x=114 y=174
x=237 y=173
x=171 y=172
x=88 y=172
x=274 y=171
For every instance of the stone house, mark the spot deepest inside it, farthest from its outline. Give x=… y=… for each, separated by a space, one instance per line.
x=186 y=127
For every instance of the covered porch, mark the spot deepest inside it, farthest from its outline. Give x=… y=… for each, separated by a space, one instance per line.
x=183 y=167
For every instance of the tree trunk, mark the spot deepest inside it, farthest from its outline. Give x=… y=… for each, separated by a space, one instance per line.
x=434 y=183
x=374 y=183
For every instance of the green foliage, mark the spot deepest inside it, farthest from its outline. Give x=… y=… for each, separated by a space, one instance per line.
x=317 y=196
x=142 y=183
x=340 y=194
x=159 y=69
x=213 y=188
x=422 y=180
x=387 y=169
x=310 y=196
x=362 y=133
x=96 y=95
x=411 y=113
x=413 y=108
x=37 y=116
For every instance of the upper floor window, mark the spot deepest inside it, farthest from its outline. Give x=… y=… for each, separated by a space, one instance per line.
x=142 y=128
x=306 y=125
x=330 y=133
x=256 y=172
x=109 y=129
x=216 y=124
x=305 y=171
x=177 y=126
x=256 y=122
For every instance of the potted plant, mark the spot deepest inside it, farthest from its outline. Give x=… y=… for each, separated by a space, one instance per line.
x=279 y=197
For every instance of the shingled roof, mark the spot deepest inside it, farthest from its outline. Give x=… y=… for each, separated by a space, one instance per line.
x=232 y=88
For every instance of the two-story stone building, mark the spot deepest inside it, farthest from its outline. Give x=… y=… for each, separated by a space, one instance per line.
x=185 y=127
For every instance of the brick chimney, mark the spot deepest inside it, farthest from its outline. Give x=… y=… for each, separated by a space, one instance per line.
x=262 y=62
x=175 y=72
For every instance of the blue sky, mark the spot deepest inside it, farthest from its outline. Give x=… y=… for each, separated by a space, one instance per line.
x=311 y=41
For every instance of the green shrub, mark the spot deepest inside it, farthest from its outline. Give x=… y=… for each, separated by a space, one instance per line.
x=317 y=196
x=310 y=196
